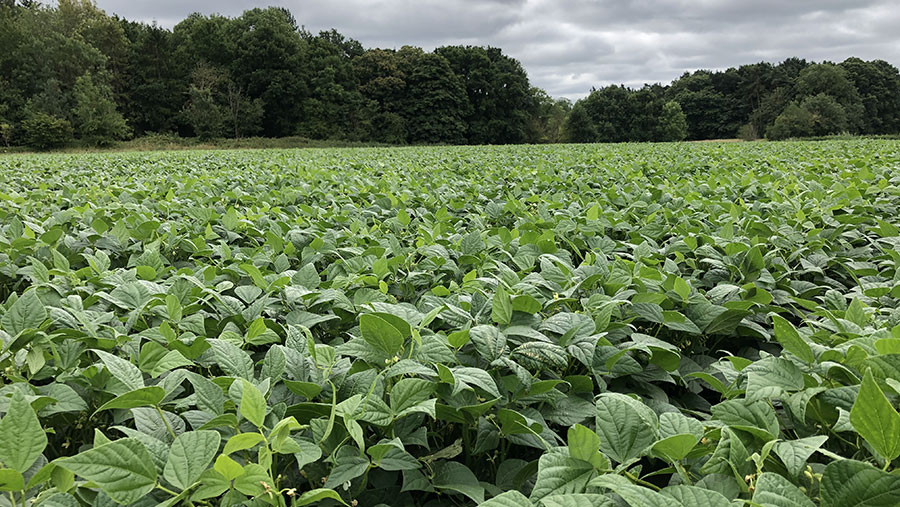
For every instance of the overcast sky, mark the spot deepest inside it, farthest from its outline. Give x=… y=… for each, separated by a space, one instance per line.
x=568 y=46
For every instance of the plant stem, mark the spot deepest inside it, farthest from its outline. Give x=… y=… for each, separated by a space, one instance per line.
x=642 y=482
x=166 y=422
x=167 y=490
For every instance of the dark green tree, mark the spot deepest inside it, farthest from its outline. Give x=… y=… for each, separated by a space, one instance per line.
x=498 y=92
x=97 y=121
x=43 y=131
x=795 y=121
x=672 y=123
x=580 y=126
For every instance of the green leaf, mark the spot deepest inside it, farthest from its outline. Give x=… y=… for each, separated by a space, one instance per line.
x=757 y=418
x=242 y=441
x=27 y=312
x=791 y=340
x=773 y=490
x=11 y=480
x=849 y=483
x=561 y=474
x=489 y=342
x=189 y=456
x=143 y=397
x=501 y=307
x=122 y=369
x=229 y=468
x=634 y=495
x=682 y=288
x=456 y=477
x=584 y=444
x=22 y=439
x=579 y=500
x=412 y=395
x=508 y=499
x=690 y=496
x=625 y=427
x=250 y=482
x=253 y=404
x=123 y=469
x=794 y=453
x=380 y=334
x=875 y=419
x=173 y=307
x=675 y=447
x=348 y=466
x=317 y=495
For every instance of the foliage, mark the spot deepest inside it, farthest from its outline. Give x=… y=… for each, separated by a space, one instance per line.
x=683 y=324
x=43 y=131
x=672 y=123
x=96 y=119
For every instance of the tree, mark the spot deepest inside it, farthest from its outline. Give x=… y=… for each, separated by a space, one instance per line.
x=498 y=92
x=795 y=121
x=826 y=116
x=436 y=102
x=829 y=79
x=672 y=123
x=580 y=127
x=203 y=112
x=878 y=85
x=244 y=114
x=547 y=122
x=43 y=131
x=97 y=121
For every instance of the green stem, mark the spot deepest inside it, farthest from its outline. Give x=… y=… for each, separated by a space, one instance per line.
x=642 y=482
x=167 y=490
x=683 y=473
x=12 y=499
x=166 y=422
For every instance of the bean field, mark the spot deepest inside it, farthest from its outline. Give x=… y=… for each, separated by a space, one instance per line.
x=561 y=326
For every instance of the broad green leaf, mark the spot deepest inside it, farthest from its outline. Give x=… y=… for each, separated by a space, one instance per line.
x=849 y=483
x=794 y=453
x=380 y=334
x=22 y=439
x=409 y=393
x=773 y=490
x=626 y=431
x=122 y=369
x=489 y=342
x=189 y=456
x=561 y=474
x=675 y=447
x=875 y=419
x=143 y=397
x=242 y=441
x=314 y=496
x=456 y=477
x=253 y=404
x=696 y=496
x=501 y=307
x=757 y=418
x=348 y=466
x=123 y=469
x=27 y=312
x=11 y=480
x=584 y=444
x=791 y=340
x=508 y=499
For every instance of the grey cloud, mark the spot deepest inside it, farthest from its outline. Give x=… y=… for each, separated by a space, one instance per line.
x=568 y=46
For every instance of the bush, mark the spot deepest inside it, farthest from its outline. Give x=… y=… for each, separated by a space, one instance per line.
x=43 y=131
x=793 y=122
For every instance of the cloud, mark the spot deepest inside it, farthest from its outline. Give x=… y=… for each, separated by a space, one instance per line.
x=568 y=46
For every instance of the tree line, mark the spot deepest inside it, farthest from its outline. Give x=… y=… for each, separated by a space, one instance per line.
x=70 y=72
